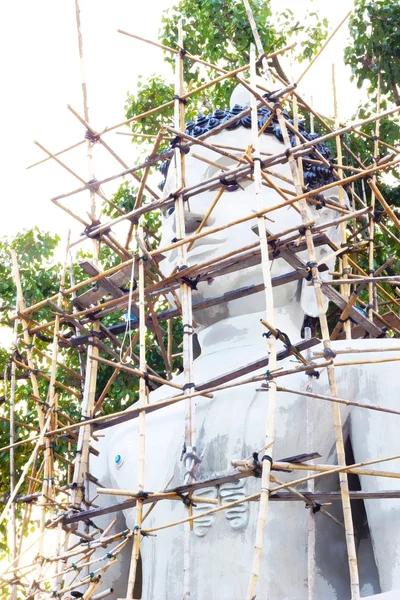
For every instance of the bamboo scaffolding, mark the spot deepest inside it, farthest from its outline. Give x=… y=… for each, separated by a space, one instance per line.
x=242 y=172
x=154 y=287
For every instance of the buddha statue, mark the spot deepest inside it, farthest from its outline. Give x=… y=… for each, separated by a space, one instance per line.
x=230 y=426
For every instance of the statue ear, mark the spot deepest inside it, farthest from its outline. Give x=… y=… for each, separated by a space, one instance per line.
x=307 y=299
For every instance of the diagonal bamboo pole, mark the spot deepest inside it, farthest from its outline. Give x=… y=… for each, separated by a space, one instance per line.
x=310 y=64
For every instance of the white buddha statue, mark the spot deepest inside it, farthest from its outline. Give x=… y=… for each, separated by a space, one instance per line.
x=231 y=425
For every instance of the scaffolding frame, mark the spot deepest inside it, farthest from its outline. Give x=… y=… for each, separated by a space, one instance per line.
x=64 y=505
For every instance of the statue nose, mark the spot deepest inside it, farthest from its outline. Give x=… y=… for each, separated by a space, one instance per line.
x=192 y=221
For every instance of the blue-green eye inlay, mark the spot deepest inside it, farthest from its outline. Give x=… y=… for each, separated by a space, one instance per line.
x=118 y=459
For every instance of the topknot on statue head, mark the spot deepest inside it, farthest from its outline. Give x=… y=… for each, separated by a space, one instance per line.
x=314 y=175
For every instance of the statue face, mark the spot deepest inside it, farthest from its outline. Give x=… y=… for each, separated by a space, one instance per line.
x=231 y=206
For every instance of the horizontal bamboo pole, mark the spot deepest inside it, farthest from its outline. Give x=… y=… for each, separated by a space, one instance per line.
x=139 y=373
x=376 y=407
x=154 y=496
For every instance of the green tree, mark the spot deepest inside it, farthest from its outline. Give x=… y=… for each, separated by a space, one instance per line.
x=375 y=46
x=374 y=56
x=219 y=33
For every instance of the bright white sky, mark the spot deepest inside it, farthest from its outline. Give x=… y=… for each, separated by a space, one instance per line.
x=40 y=75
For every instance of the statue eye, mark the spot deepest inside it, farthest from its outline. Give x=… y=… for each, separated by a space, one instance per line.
x=171 y=210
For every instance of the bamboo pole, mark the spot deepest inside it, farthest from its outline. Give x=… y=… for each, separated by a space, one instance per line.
x=189 y=458
x=27 y=338
x=13 y=540
x=385 y=205
x=310 y=64
x=79 y=481
x=376 y=407
x=345 y=289
x=311 y=528
x=271 y=346
x=372 y=299
x=348 y=521
x=143 y=401
x=48 y=490
x=257 y=40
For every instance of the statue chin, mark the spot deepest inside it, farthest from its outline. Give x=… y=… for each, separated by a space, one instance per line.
x=253 y=303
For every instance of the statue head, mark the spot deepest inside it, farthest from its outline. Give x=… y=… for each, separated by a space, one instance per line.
x=237 y=201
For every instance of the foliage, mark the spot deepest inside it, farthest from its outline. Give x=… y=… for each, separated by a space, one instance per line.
x=375 y=46
x=218 y=31
x=35 y=251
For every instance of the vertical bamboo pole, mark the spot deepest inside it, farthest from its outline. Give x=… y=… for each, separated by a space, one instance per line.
x=48 y=491
x=35 y=387
x=47 y=495
x=85 y=104
x=344 y=261
x=170 y=341
x=344 y=487
x=311 y=564
x=13 y=540
x=189 y=450
x=310 y=423
x=143 y=400
x=82 y=449
x=372 y=298
x=27 y=338
x=81 y=468
x=270 y=318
